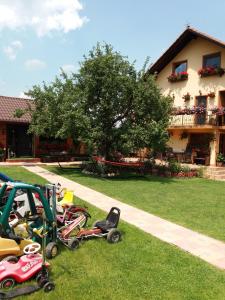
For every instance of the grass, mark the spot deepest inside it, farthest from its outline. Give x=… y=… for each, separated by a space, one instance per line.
x=195 y=203
x=139 y=267
x=18 y=173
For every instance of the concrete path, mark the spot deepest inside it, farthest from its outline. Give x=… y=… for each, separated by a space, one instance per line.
x=208 y=249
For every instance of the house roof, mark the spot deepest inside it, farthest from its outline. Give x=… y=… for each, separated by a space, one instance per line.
x=187 y=35
x=8 y=106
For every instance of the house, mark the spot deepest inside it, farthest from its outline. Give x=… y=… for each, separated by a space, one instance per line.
x=192 y=72
x=17 y=142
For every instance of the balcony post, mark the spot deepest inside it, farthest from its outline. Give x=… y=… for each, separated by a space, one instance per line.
x=214 y=148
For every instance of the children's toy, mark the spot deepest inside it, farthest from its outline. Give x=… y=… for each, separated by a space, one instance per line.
x=34 y=220
x=11 y=248
x=71 y=213
x=30 y=265
x=5 y=178
x=72 y=234
x=67 y=233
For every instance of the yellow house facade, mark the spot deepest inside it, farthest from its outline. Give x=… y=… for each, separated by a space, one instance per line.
x=192 y=72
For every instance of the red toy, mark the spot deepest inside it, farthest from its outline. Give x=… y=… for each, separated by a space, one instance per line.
x=28 y=266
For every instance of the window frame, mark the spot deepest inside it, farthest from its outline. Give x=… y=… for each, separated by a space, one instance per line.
x=175 y=64
x=209 y=56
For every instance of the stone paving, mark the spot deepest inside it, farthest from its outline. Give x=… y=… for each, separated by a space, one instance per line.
x=206 y=248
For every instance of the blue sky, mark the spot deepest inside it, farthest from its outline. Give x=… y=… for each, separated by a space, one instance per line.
x=40 y=36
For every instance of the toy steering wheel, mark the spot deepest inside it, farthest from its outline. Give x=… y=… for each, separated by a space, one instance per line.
x=32 y=248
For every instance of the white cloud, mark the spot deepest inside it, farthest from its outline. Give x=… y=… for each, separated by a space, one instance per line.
x=69 y=68
x=23 y=95
x=34 y=64
x=12 y=49
x=43 y=16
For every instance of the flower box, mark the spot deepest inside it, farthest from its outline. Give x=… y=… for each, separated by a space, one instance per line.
x=209 y=71
x=189 y=110
x=174 y=77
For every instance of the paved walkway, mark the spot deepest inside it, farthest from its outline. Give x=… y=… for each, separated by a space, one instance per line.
x=208 y=249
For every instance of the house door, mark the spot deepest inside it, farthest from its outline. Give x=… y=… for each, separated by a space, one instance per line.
x=201 y=118
x=19 y=141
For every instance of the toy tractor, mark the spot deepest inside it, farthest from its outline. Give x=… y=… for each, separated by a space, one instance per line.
x=8 y=193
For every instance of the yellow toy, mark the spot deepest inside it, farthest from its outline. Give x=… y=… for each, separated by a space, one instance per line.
x=67 y=197
x=10 y=249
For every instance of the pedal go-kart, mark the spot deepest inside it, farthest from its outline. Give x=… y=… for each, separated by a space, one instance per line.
x=104 y=228
x=33 y=219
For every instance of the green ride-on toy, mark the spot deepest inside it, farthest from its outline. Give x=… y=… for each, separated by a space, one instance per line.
x=33 y=219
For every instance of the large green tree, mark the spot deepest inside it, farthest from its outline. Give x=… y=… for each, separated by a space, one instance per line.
x=107 y=104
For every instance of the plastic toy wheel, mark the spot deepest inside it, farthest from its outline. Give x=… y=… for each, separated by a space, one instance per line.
x=51 y=250
x=114 y=236
x=11 y=258
x=48 y=287
x=7 y=283
x=73 y=244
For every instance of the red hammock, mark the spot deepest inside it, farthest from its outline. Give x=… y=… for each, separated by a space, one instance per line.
x=121 y=164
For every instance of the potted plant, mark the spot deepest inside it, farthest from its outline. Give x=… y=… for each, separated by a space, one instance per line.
x=211 y=95
x=186 y=97
x=220 y=160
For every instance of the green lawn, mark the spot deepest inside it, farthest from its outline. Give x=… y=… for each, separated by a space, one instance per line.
x=196 y=203
x=139 y=267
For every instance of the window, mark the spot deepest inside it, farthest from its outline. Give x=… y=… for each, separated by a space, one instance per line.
x=180 y=67
x=212 y=60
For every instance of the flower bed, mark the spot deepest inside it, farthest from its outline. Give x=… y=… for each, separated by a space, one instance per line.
x=173 y=169
x=174 y=77
x=209 y=71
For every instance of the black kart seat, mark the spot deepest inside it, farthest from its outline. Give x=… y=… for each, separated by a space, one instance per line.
x=111 y=220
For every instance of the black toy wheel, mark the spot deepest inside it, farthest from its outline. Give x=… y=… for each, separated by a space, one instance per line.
x=48 y=287
x=7 y=283
x=11 y=258
x=42 y=278
x=114 y=236
x=42 y=281
x=51 y=250
x=73 y=244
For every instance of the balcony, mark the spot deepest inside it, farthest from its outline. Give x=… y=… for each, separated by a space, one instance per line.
x=196 y=120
